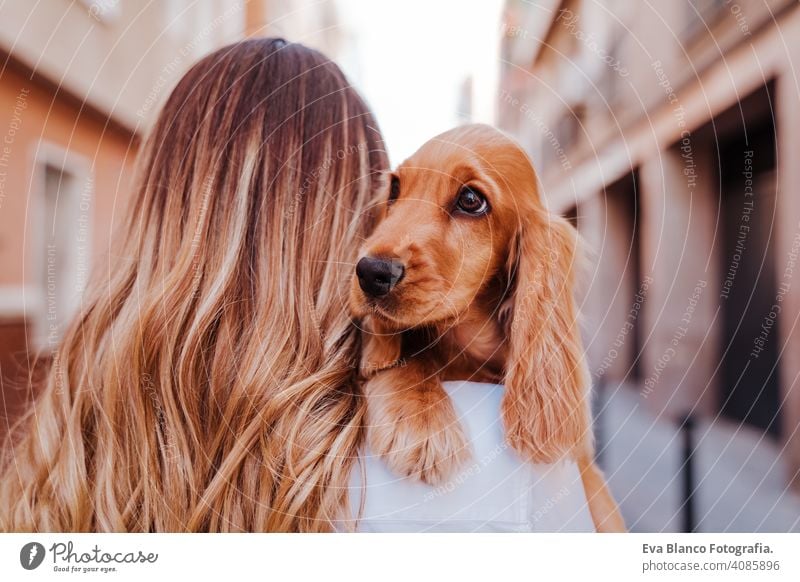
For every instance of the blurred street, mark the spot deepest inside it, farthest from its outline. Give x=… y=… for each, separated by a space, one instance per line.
x=740 y=481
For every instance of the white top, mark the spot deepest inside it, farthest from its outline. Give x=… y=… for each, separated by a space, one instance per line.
x=496 y=492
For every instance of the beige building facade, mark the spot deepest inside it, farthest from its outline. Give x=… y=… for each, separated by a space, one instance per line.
x=669 y=132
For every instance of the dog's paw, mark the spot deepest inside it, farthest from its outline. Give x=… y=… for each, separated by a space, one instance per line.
x=423 y=441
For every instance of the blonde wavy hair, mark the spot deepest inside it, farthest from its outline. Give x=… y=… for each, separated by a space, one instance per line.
x=209 y=383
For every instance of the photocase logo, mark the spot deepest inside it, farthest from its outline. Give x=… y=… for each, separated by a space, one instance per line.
x=31 y=555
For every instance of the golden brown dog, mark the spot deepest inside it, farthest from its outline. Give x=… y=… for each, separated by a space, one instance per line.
x=467 y=276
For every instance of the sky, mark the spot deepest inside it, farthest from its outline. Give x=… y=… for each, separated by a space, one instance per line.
x=410 y=60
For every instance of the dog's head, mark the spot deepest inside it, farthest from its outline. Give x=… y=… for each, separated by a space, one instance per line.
x=462 y=217
x=450 y=216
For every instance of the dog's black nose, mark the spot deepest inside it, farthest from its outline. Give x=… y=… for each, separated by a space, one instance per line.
x=378 y=276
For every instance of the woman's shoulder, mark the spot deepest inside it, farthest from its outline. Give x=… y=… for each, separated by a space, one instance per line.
x=495 y=491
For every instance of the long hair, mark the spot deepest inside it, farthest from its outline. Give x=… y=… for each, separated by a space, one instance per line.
x=208 y=383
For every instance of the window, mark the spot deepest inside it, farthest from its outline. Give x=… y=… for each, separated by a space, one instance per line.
x=59 y=257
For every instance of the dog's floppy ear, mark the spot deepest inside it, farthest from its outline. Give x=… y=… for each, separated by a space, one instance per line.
x=380 y=346
x=545 y=408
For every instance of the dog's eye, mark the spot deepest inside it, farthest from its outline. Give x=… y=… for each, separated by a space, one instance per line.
x=394 y=189
x=472 y=201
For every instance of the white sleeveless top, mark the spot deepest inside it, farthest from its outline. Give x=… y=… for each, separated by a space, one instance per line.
x=495 y=492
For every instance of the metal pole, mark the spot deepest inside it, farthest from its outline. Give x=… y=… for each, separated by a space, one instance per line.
x=599 y=401
x=687 y=428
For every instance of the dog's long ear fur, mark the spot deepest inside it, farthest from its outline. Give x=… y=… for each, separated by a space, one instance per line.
x=545 y=408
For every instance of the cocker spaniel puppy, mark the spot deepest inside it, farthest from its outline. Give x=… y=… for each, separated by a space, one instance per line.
x=468 y=276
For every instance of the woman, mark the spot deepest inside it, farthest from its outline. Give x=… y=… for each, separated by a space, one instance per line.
x=209 y=382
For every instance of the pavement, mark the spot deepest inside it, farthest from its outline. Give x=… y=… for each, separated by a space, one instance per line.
x=739 y=475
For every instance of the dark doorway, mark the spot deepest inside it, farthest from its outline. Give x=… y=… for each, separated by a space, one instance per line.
x=572 y=216
x=623 y=210
x=750 y=390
